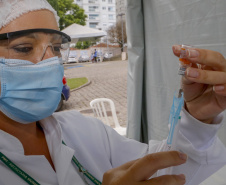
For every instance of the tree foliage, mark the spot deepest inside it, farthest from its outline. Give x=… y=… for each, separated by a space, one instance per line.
x=54 y=4
x=115 y=34
x=68 y=12
x=83 y=45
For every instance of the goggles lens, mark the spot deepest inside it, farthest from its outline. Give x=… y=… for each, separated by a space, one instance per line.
x=35 y=45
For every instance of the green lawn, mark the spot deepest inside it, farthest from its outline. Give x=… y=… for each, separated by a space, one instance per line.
x=76 y=82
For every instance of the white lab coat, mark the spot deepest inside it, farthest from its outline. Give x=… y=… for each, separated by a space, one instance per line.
x=99 y=148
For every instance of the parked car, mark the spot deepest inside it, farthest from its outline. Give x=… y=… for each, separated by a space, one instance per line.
x=108 y=55
x=84 y=58
x=65 y=94
x=72 y=59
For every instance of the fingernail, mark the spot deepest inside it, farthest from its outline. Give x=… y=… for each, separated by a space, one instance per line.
x=192 y=53
x=176 y=48
x=218 y=88
x=183 y=156
x=192 y=73
x=182 y=176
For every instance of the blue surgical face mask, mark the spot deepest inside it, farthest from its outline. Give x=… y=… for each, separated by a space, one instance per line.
x=30 y=92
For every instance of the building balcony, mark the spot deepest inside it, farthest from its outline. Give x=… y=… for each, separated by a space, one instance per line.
x=94 y=10
x=94 y=18
x=93 y=2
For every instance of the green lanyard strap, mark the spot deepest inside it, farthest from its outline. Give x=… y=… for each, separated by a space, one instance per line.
x=85 y=172
x=22 y=174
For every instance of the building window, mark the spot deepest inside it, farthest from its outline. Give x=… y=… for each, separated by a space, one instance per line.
x=93 y=16
x=111 y=17
x=93 y=25
x=92 y=1
x=111 y=9
x=110 y=1
x=104 y=8
x=93 y=8
x=103 y=0
x=105 y=25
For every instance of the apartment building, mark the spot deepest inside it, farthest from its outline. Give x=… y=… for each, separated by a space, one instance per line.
x=101 y=13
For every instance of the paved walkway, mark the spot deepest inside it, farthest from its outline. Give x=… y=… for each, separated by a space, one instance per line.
x=108 y=80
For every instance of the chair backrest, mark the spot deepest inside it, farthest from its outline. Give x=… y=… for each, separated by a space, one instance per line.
x=99 y=108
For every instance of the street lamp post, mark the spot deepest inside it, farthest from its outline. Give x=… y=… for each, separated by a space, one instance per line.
x=121 y=14
x=107 y=47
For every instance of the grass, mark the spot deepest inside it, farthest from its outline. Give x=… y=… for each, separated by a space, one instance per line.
x=74 y=83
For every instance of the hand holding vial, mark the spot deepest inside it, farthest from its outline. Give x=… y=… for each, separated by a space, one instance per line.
x=203 y=82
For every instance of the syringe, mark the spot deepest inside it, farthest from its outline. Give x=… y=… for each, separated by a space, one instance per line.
x=178 y=102
x=178 y=99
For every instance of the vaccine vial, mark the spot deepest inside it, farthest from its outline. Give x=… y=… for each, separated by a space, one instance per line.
x=184 y=63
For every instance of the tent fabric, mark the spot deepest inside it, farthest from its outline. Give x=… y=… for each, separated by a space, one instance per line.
x=153 y=26
x=83 y=33
x=135 y=44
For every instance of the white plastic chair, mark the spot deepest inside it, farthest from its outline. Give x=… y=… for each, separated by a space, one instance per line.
x=99 y=109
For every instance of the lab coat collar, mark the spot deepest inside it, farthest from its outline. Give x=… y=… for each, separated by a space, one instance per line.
x=61 y=155
x=10 y=143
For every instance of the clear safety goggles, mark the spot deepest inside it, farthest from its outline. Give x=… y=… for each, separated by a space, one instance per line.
x=35 y=45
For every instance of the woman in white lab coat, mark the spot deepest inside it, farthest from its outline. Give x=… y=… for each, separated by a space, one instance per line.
x=39 y=147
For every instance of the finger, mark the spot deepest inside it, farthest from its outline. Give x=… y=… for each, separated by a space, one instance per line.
x=220 y=89
x=127 y=165
x=168 y=180
x=186 y=81
x=206 y=57
x=144 y=168
x=114 y=173
x=176 y=50
x=205 y=76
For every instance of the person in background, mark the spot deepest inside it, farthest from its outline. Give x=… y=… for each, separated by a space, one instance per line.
x=95 y=55
x=92 y=57
x=38 y=146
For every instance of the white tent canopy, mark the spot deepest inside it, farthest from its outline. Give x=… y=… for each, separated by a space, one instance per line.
x=83 y=33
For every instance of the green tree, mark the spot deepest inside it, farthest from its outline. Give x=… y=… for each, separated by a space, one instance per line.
x=68 y=12
x=83 y=45
x=54 y=4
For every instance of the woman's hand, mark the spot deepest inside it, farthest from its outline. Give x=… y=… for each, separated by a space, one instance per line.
x=138 y=172
x=204 y=86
